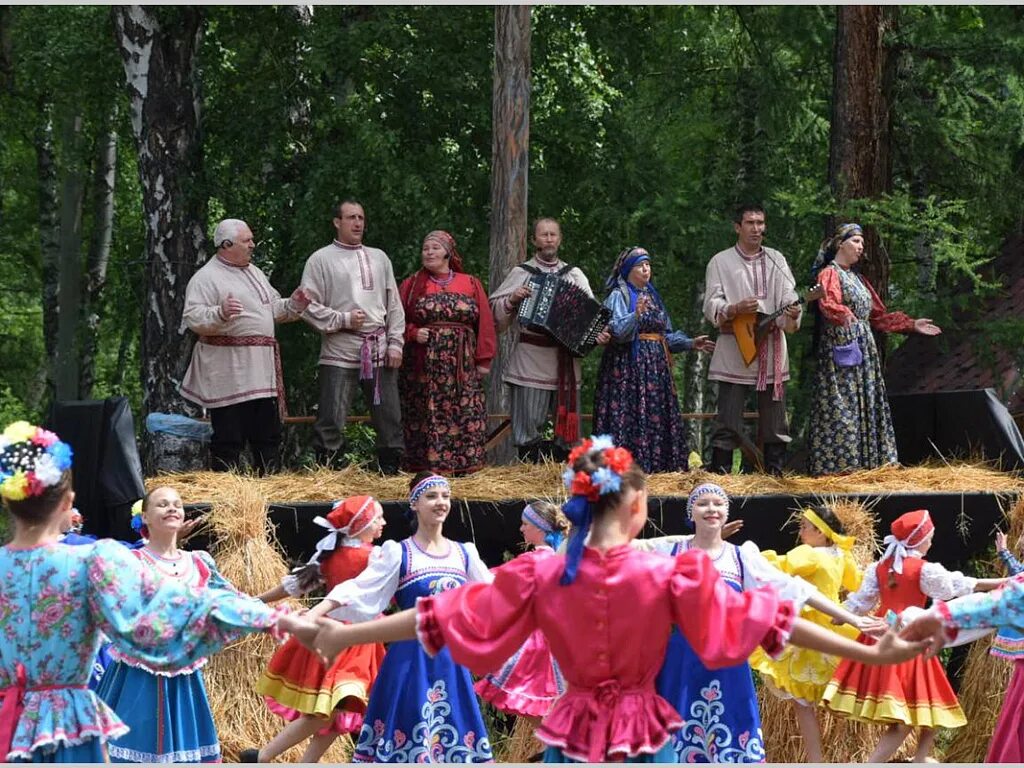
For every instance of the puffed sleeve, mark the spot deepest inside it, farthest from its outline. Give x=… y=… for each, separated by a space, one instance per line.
x=757 y=572
x=853 y=577
x=802 y=560
x=865 y=598
x=368 y=594
x=476 y=568
x=663 y=545
x=394 y=320
x=831 y=303
x=1003 y=607
x=405 y=293
x=881 y=320
x=724 y=626
x=482 y=625
x=217 y=580
x=486 y=335
x=677 y=341
x=160 y=624
x=623 y=324
x=940 y=584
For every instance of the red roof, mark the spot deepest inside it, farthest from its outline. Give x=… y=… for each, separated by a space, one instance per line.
x=955 y=359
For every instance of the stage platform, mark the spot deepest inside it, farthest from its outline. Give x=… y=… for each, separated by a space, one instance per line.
x=968 y=502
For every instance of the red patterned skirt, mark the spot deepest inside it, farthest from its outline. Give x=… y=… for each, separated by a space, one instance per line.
x=915 y=693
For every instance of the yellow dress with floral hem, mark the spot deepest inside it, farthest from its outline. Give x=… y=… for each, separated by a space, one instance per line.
x=801 y=673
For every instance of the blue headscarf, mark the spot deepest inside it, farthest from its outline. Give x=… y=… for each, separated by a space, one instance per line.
x=830 y=245
x=619 y=278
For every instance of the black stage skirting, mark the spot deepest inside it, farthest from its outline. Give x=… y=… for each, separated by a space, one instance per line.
x=965 y=523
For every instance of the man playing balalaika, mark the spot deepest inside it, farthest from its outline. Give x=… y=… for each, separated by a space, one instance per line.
x=750 y=278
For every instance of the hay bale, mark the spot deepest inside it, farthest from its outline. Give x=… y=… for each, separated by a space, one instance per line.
x=243 y=546
x=500 y=483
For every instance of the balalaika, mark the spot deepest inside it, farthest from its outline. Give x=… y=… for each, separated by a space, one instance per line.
x=564 y=311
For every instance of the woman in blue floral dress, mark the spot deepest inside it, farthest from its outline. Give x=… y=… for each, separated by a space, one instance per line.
x=635 y=401
x=56 y=601
x=422 y=709
x=851 y=425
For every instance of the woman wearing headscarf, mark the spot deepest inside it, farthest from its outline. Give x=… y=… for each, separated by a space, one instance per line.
x=636 y=401
x=450 y=342
x=851 y=426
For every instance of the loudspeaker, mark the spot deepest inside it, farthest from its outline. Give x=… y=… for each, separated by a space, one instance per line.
x=106 y=467
x=961 y=424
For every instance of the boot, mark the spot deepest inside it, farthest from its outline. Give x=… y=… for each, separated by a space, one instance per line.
x=388 y=460
x=551 y=451
x=774 y=458
x=325 y=457
x=249 y=755
x=721 y=461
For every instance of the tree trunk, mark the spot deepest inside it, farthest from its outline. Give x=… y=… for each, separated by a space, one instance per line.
x=6 y=49
x=49 y=231
x=509 y=171
x=860 y=150
x=69 y=292
x=695 y=374
x=99 y=252
x=159 y=46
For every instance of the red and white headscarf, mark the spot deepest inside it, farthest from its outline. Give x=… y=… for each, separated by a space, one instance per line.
x=908 y=533
x=346 y=520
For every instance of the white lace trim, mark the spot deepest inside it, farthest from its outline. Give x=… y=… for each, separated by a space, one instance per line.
x=179 y=756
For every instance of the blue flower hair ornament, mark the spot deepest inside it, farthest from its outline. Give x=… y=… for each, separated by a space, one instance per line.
x=586 y=488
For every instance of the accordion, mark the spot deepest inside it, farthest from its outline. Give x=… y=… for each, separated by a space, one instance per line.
x=564 y=311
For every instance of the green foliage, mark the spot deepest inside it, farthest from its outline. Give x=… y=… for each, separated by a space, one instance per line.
x=647 y=124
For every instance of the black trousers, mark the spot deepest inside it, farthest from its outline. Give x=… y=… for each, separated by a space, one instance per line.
x=255 y=422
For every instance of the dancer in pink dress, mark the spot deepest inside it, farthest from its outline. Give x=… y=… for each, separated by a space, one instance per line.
x=528 y=684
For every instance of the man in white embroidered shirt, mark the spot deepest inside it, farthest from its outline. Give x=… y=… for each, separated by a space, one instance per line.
x=356 y=307
x=235 y=371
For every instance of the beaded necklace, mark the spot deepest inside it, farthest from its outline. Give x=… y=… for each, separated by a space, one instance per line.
x=175 y=567
x=442 y=282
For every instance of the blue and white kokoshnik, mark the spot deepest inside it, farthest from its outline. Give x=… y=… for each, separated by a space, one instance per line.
x=423 y=485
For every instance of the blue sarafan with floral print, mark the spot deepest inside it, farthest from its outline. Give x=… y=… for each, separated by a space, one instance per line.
x=422 y=709
x=56 y=599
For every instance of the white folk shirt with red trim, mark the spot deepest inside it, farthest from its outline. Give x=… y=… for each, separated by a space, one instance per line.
x=528 y=364
x=220 y=376
x=341 y=279
x=730 y=278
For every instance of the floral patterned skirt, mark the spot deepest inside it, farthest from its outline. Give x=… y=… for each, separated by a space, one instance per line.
x=635 y=402
x=851 y=424
x=721 y=721
x=422 y=710
x=444 y=413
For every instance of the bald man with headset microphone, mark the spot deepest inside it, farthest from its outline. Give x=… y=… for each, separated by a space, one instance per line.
x=235 y=371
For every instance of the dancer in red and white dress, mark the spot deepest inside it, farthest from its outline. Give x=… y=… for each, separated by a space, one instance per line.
x=317 y=701
x=915 y=693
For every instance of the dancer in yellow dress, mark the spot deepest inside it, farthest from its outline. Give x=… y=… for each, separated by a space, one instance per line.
x=825 y=559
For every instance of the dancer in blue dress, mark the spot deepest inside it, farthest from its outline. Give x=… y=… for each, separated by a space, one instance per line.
x=722 y=722
x=56 y=601
x=421 y=709
x=168 y=712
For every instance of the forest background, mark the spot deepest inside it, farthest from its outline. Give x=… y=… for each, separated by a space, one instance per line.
x=646 y=125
